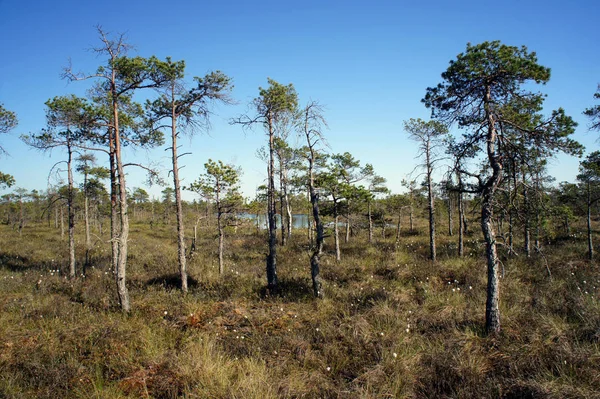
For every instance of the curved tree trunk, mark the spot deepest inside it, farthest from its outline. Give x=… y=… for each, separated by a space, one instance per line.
x=492 y=310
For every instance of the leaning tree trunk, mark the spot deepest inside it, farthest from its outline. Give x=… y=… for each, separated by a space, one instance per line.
x=178 y=204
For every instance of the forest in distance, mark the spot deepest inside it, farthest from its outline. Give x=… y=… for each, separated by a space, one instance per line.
x=479 y=280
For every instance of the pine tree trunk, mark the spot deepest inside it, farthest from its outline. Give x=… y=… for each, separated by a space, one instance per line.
x=309 y=225
x=62 y=222
x=370 y=222
x=347 y=237
x=178 y=203
x=86 y=210
x=220 y=228
x=123 y=216
x=71 y=212
x=316 y=255
x=288 y=207
x=450 y=221
x=492 y=310
x=589 y=223
x=431 y=201
x=272 y=255
x=336 y=231
x=398 y=231
x=526 y=222
x=281 y=207
x=461 y=230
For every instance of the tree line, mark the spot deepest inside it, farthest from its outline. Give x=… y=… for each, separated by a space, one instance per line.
x=495 y=161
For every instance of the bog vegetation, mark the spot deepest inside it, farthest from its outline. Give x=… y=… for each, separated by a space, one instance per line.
x=480 y=284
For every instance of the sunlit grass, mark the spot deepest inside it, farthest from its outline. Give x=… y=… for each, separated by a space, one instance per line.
x=392 y=324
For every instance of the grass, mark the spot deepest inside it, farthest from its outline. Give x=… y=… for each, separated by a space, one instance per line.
x=392 y=324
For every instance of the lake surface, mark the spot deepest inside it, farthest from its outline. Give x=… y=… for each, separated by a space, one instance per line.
x=299 y=220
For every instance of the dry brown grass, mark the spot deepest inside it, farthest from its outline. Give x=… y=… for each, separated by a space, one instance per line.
x=392 y=324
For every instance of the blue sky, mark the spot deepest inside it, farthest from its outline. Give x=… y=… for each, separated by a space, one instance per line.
x=369 y=63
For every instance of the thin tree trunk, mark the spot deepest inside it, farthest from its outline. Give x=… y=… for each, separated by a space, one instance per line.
x=398 y=230
x=338 y=256
x=461 y=216
x=431 y=199
x=526 y=222
x=347 y=236
x=221 y=242
x=370 y=222
x=220 y=228
x=178 y=203
x=510 y=221
x=272 y=282
x=589 y=223
x=123 y=236
x=71 y=212
x=62 y=221
x=318 y=250
x=288 y=210
x=309 y=225
x=450 y=216
x=282 y=205
x=86 y=210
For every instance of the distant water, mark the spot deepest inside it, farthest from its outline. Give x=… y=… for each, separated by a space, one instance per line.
x=299 y=220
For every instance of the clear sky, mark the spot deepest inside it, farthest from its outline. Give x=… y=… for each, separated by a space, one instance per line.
x=369 y=63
